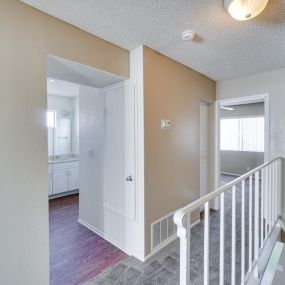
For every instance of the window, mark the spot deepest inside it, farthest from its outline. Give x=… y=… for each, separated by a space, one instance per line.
x=51 y=115
x=242 y=134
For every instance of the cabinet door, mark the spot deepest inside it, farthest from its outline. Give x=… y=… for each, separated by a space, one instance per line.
x=73 y=179
x=50 y=179
x=60 y=181
x=50 y=183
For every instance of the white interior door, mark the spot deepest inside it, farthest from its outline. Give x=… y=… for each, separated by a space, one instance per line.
x=119 y=151
x=204 y=130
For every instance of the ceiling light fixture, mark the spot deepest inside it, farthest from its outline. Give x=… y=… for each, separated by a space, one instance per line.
x=188 y=35
x=243 y=10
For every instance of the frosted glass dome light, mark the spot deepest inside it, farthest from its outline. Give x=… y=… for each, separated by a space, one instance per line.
x=242 y=10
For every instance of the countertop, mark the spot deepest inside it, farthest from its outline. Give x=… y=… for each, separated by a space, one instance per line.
x=63 y=160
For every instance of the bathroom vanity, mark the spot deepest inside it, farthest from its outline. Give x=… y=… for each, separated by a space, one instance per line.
x=63 y=145
x=63 y=176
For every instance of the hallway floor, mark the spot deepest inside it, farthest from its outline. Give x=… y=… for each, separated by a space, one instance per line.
x=76 y=253
x=163 y=268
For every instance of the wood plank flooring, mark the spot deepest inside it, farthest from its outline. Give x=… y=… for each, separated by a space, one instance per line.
x=76 y=253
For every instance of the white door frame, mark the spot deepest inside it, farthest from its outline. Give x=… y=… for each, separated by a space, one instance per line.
x=233 y=101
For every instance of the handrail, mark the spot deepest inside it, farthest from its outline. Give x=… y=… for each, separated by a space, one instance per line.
x=180 y=213
x=263 y=195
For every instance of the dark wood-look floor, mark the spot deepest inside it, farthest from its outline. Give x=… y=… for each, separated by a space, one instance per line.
x=76 y=253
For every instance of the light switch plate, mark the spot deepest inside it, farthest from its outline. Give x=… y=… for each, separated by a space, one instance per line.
x=91 y=153
x=165 y=124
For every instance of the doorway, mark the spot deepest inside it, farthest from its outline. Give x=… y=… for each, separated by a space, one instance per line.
x=92 y=179
x=242 y=136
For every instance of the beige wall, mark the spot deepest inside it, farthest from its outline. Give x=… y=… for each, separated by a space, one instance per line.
x=27 y=36
x=171 y=91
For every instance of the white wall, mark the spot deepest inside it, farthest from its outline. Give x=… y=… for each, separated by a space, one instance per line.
x=240 y=162
x=91 y=120
x=125 y=233
x=272 y=83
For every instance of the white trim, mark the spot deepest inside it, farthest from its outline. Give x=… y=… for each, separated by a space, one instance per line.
x=161 y=246
x=238 y=101
x=117 y=85
x=166 y=242
x=231 y=174
x=63 y=194
x=102 y=235
x=136 y=74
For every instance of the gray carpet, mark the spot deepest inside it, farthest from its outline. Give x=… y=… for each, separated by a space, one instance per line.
x=163 y=268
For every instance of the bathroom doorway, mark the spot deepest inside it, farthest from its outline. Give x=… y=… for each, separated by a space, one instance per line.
x=91 y=151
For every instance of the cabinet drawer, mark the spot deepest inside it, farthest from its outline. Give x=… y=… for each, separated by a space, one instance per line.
x=64 y=165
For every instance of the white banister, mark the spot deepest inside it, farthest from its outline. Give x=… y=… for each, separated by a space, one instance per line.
x=268 y=183
x=206 y=243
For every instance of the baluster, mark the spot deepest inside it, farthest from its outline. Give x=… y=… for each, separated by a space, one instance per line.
x=233 y=269
x=270 y=197
x=242 y=233
x=222 y=237
x=266 y=201
x=273 y=193
x=262 y=209
x=256 y=220
x=275 y=190
x=206 y=244
x=250 y=225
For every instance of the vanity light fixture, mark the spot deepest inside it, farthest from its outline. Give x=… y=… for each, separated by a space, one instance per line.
x=242 y=10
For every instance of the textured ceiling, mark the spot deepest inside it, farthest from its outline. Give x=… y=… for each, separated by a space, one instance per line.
x=224 y=48
x=62 y=88
x=67 y=70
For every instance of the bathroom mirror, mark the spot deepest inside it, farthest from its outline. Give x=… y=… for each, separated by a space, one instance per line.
x=63 y=141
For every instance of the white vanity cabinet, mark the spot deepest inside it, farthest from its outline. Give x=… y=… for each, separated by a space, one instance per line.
x=65 y=177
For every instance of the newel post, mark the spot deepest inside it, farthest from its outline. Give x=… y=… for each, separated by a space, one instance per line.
x=183 y=222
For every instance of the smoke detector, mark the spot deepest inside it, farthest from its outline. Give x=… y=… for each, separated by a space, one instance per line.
x=188 y=35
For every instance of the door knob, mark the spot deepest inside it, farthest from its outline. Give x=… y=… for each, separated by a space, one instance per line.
x=129 y=178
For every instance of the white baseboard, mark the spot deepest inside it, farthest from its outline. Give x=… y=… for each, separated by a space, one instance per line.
x=165 y=243
x=63 y=194
x=102 y=235
x=160 y=247
x=232 y=174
